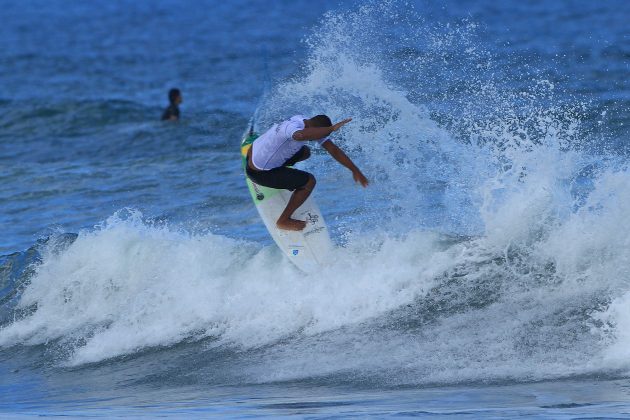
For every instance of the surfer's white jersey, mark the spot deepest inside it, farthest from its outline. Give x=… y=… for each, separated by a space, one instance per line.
x=277 y=145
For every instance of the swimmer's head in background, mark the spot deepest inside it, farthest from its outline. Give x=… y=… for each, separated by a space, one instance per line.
x=175 y=96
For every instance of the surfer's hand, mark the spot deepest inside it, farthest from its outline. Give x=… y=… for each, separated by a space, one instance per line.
x=340 y=124
x=359 y=178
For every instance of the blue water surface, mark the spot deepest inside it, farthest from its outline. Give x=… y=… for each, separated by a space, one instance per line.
x=484 y=273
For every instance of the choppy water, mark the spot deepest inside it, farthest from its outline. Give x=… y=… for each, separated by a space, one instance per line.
x=485 y=272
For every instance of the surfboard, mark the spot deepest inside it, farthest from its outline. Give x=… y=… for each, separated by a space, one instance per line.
x=308 y=249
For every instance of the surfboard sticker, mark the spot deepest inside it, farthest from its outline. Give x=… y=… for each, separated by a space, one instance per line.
x=308 y=249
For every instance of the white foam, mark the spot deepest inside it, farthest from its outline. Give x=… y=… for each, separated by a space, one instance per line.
x=127 y=286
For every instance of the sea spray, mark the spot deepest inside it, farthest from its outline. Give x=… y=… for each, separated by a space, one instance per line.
x=451 y=144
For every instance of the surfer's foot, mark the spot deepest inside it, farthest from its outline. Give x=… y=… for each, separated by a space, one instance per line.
x=291 y=224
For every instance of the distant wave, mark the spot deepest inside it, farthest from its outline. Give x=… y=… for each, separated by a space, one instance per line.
x=100 y=129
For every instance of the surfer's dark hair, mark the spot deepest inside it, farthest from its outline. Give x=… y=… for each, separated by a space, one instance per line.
x=321 y=121
x=173 y=94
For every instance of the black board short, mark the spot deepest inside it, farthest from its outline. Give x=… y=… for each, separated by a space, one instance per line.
x=282 y=178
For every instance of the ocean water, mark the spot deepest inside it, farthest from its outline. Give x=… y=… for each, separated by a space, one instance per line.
x=484 y=273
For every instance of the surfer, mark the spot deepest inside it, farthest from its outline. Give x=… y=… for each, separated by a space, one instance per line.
x=172 y=112
x=271 y=155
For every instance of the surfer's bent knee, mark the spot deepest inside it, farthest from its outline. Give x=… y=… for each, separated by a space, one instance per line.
x=310 y=184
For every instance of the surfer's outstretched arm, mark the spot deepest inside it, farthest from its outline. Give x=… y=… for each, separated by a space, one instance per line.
x=342 y=158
